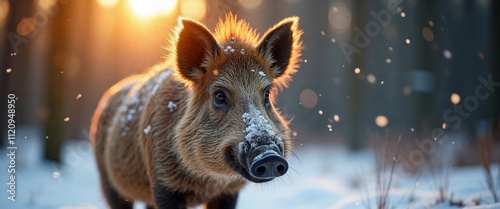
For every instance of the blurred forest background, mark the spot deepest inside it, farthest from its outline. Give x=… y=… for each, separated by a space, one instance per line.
x=410 y=72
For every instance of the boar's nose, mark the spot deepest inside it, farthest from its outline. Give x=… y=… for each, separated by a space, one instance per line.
x=268 y=165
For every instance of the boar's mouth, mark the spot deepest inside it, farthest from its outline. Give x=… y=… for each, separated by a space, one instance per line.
x=256 y=164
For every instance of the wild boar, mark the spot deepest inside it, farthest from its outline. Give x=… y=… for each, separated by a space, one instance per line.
x=195 y=129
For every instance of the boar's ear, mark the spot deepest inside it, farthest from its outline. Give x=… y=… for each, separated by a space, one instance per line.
x=281 y=45
x=195 y=46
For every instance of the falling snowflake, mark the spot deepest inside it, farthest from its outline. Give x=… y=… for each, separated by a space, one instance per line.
x=147 y=130
x=78 y=97
x=66 y=119
x=447 y=54
x=171 y=106
x=8 y=70
x=56 y=174
x=262 y=74
x=242 y=51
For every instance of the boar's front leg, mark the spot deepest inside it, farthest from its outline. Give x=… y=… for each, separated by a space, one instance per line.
x=165 y=198
x=223 y=202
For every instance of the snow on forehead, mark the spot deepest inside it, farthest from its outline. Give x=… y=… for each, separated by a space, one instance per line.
x=256 y=124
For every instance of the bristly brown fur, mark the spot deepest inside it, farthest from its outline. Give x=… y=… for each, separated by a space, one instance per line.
x=158 y=136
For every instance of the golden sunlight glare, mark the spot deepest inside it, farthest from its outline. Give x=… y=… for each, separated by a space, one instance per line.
x=107 y=3
x=149 y=8
x=195 y=9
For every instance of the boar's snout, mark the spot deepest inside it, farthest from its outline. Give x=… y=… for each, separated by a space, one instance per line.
x=268 y=166
x=258 y=162
x=264 y=162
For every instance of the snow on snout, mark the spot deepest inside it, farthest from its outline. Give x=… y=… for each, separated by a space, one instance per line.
x=258 y=129
x=257 y=125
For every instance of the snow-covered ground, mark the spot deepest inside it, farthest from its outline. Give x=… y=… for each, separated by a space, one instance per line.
x=320 y=177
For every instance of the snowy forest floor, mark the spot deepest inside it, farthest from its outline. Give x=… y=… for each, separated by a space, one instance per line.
x=320 y=177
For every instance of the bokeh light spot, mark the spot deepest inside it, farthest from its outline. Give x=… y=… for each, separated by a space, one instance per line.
x=336 y=118
x=339 y=16
x=308 y=98
x=45 y=4
x=406 y=90
x=371 y=78
x=149 y=8
x=4 y=11
x=381 y=121
x=428 y=34
x=250 y=4
x=481 y=55
x=455 y=98
x=26 y=26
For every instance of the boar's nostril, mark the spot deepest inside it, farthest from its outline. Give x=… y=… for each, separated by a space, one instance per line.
x=261 y=169
x=281 y=168
x=269 y=166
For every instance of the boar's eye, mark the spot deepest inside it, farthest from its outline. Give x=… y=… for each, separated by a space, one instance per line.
x=219 y=99
x=266 y=98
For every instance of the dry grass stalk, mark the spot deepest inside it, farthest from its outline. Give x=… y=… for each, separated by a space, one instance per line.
x=383 y=152
x=484 y=145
